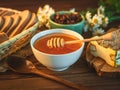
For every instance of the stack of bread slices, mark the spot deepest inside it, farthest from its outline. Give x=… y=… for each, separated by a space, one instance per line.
x=12 y=24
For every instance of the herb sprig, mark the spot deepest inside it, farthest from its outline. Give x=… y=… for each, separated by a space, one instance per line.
x=112 y=9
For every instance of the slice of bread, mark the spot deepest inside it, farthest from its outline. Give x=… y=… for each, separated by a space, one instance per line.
x=7 y=13
x=25 y=18
x=33 y=20
x=7 y=24
x=16 y=20
x=2 y=12
x=1 y=22
x=3 y=37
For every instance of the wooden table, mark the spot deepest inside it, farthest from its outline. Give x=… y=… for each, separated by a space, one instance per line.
x=78 y=73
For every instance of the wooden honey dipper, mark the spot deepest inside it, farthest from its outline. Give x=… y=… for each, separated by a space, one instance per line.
x=60 y=42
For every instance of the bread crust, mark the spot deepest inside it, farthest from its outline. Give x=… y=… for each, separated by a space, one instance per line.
x=3 y=37
x=2 y=12
x=16 y=20
x=1 y=22
x=7 y=23
x=16 y=23
x=25 y=18
x=32 y=21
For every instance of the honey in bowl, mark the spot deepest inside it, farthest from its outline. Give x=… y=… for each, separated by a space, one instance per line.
x=41 y=44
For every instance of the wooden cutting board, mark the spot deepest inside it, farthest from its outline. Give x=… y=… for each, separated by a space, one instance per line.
x=100 y=66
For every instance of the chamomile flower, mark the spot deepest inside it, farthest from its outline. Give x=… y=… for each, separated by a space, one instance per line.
x=44 y=14
x=98 y=31
x=101 y=16
x=96 y=20
x=46 y=8
x=105 y=21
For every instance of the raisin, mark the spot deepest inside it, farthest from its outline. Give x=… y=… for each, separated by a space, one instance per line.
x=71 y=18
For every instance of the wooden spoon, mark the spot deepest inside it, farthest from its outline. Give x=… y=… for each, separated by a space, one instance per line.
x=20 y=65
x=60 y=42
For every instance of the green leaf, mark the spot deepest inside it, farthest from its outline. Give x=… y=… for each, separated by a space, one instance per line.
x=112 y=9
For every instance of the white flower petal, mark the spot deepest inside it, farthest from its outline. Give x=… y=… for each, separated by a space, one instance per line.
x=98 y=31
x=72 y=10
x=88 y=16
x=96 y=20
x=44 y=14
x=100 y=10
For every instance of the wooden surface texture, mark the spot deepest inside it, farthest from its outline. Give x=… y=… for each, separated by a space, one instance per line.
x=79 y=73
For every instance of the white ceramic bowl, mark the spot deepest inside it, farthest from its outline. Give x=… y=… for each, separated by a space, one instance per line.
x=57 y=62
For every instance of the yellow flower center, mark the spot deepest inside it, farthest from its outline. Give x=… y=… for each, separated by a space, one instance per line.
x=95 y=20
